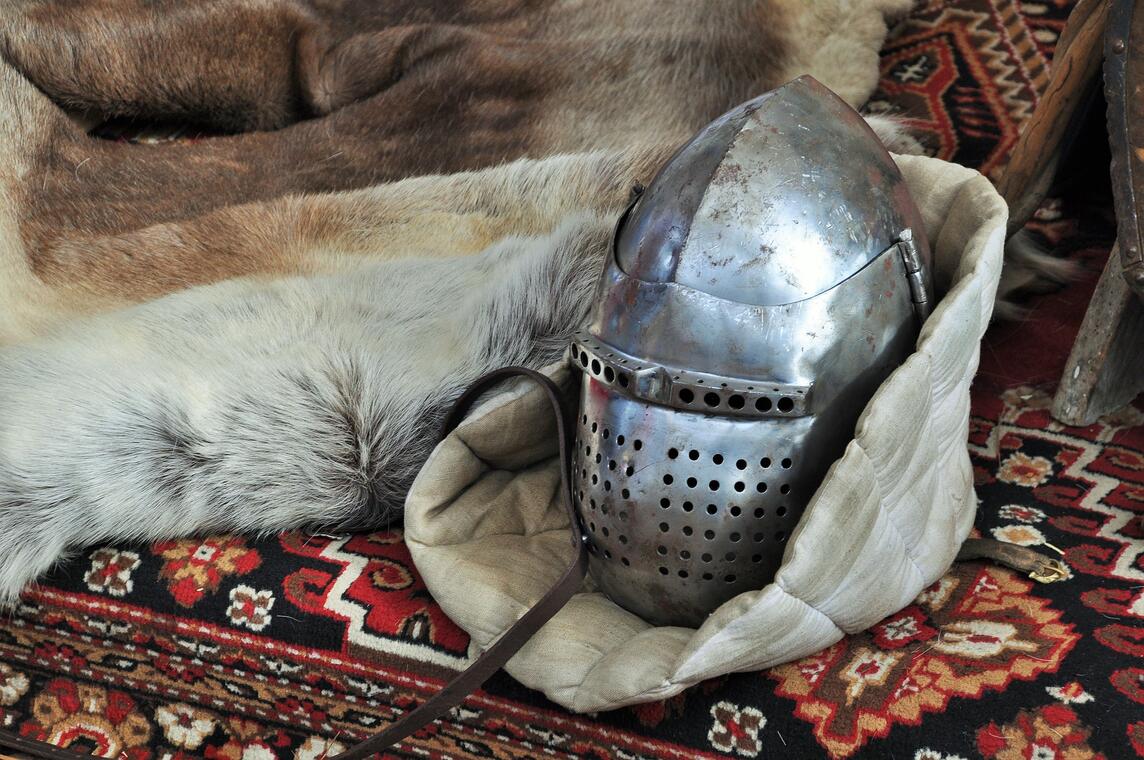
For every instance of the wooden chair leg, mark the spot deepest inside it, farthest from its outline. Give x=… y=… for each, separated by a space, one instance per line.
x=1105 y=370
x=1059 y=113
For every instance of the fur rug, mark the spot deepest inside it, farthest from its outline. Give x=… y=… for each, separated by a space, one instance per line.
x=260 y=332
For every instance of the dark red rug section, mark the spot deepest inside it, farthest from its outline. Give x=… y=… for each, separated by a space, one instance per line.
x=297 y=645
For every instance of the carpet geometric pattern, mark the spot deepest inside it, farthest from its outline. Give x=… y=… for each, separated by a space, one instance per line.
x=297 y=645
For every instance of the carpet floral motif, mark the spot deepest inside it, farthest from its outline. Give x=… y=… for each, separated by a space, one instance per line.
x=298 y=645
x=194 y=567
x=974 y=631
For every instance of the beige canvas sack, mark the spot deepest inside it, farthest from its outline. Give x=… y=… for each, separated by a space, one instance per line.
x=487 y=532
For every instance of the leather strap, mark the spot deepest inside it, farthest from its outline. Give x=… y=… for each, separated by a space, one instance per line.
x=501 y=651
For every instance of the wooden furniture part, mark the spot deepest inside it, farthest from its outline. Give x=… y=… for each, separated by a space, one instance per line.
x=1105 y=369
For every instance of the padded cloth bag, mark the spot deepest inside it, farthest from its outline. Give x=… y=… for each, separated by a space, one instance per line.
x=487 y=531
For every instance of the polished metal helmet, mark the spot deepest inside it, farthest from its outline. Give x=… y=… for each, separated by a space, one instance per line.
x=771 y=276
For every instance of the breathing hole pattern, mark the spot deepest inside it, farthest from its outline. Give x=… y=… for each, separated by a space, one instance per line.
x=730 y=528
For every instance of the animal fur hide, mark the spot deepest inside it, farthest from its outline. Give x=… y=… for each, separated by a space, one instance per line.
x=261 y=331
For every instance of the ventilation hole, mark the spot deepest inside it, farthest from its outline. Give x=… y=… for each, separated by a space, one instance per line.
x=623 y=539
x=605 y=531
x=735 y=402
x=717 y=459
x=780 y=536
x=624 y=380
x=760 y=512
x=709 y=535
x=781 y=511
x=603 y=509
x=761 y=487
x=595 y=367
x=599 y=458
x=692 y=482
x=758 y=538
x=623 y=516
x=592 y=525
x=688 y=530
x=625 y=494
x=785 y=405
x=765 y=462
x=594 y=427
x=730 y=579
x=625 y=562
x=663 y=571
x=619 y=440
x=592 y=502
x=712 y=509
x=711 y=399
x=606 y=433
x=736 y=511
x=763 y=404
x=740 y=486
x=685 y=554
x=672 y=453
x=581 y=496
x=688 y=506
x=667 y=479
x=682 y=573
x=663 y=527
x=630 y=471
x=583 y=358
x=611 y=464
x=741 y=464
x=693 y=455
x=706 y=557
x=610 y=375
x=785 y=488
x=707 y=576
x=587 y=451
x=595 y=479
x=786 y=464
x=665 y=502
x=735 y=537
x=637 y=444
x=713 y=485
x=686 y=396
x=757 y=558
x=607 y=554
x=661 y=550
x=729 y=556
x=699 y=381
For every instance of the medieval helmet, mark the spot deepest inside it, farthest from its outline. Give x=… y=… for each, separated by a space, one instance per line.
x=759 y=291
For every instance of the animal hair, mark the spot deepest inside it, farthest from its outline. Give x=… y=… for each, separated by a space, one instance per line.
x=259 y=406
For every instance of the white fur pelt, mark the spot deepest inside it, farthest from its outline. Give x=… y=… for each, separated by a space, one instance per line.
x=261 y=405
x=268 y=405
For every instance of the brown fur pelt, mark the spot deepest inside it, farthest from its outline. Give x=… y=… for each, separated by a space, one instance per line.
x=339 y=95
x=260 y=331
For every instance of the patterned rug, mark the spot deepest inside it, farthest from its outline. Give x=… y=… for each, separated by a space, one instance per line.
x=296 y=645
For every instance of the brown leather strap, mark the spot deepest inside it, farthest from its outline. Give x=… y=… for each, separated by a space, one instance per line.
x=1039 y=567
x=502 y=650
x=34 y=748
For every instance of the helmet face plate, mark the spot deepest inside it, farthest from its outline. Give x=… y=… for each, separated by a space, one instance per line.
x=755 y=302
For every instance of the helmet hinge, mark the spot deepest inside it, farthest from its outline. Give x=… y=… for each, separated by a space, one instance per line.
x=912 y=260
